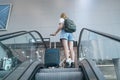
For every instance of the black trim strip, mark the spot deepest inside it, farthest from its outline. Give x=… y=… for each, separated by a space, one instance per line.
x=95 y=70
x=90 y=70
x=12 y=33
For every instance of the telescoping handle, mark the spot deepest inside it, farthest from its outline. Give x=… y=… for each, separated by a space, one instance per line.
x=47 y=40
x=52 y=39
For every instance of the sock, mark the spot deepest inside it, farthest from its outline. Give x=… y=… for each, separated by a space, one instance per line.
x=68 y=60
x=72 y=61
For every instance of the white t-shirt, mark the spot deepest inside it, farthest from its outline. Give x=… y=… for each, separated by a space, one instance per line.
x=61 y=20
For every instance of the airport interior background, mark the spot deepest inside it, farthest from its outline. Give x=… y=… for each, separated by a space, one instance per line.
x=26 y=35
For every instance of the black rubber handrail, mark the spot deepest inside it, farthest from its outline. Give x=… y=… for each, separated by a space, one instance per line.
x=40 y=37
x=11 y=33
x=91 y=71
x=113 y=37
x=95 y=70
x=16 y=35
x=29 y=32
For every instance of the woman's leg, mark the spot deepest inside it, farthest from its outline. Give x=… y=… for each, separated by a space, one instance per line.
x=72 y=53
x=66 y=49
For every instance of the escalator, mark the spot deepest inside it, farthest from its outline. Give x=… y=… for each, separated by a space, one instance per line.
x=87 y=67
x=36 y=71
x=12 y=48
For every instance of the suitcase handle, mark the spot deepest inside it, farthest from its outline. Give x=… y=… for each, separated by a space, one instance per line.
x=47 y=39
x=54 y=42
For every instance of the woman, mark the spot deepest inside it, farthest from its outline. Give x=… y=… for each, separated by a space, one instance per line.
x=67 y=41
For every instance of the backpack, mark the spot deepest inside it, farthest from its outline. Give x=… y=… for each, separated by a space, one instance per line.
x=69 y=26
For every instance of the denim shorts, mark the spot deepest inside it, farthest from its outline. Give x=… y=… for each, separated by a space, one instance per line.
x=66 y=35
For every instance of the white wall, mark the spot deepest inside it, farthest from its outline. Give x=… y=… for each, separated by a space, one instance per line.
x=43 y=15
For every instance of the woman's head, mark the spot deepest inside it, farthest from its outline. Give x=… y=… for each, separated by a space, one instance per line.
x=63 y=15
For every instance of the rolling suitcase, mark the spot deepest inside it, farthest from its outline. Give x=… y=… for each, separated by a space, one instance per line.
x=52 y=56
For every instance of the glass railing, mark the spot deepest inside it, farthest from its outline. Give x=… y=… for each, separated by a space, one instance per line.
x=7 y=61
x=104 y=49
x=17 y=48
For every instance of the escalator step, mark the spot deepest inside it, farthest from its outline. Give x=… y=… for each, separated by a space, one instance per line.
x=60 y=70
x=59 y=76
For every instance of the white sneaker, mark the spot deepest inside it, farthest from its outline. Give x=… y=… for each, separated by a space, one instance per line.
x=68 y=60
x=68 y=63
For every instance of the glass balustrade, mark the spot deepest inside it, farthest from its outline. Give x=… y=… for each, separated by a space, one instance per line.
x=103 y=50
x=15 y=50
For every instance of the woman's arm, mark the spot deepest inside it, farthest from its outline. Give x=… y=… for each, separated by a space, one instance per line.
x=59 y=28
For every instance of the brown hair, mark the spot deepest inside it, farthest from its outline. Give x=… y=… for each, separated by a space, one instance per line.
x=63 y=15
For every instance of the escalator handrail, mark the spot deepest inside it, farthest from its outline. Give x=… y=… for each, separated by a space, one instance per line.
x=16 y=35
x=12 y=36
x=96 y=73
x=11 y=33
x=95 y=70
x=28 y=32
x=40 y=38
x=32 y=70
x=113 y=37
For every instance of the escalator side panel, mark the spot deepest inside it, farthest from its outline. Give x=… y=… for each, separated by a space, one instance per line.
x=91 y=72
